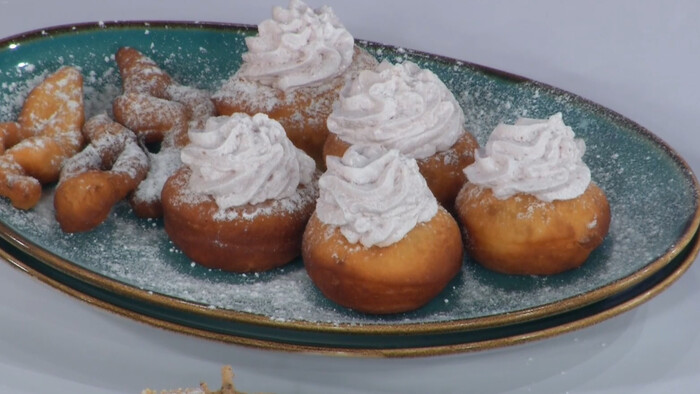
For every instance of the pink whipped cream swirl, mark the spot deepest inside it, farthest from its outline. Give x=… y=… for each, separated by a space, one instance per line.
x=375 y=196
x=242 y=159
x=534 y=156
x=298 y=47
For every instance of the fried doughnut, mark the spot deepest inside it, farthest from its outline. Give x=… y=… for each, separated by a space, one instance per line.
x=249 y=214
x=402 y=106
x=49 y=126
x=379 y=246
x=158 y=110
x=525 y=236
x=295 y=81
x=530 y=206
x=302 y=112
x=397 y=278
x=249 y=238
x=102 y=174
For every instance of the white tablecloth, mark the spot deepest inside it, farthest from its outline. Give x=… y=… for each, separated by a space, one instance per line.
x=639 y=58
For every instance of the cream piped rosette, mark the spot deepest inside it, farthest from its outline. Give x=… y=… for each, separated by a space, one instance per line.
x=540 y=157
x=242 y=159
x=399 y=106
x=298 y=46
x=373 y=195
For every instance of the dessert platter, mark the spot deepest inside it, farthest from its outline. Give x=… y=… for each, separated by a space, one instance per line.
x=144 y=256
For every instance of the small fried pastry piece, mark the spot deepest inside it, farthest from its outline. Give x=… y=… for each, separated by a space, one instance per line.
x=140 y=74
x=152 y=103
x=23 y=191
x=146 y=198
x=530 y=207
x=12 y=133
x=158 y=110
x=197 y=102
x=51 y=118
x=102 y=174
x=152 y=118
x=55 y=105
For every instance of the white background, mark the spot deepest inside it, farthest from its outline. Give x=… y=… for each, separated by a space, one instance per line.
x=639 y=58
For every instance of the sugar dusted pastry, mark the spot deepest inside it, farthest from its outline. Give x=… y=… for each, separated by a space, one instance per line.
x=404 y=107
x=378 y=241
x=243 y=196
x=293 y=71
x=104 y=173
x=530 y=206
x=154 y=105
x=47 y=132
x=157 y=109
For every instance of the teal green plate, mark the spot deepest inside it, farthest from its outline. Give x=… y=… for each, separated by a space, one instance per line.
x=129 y=265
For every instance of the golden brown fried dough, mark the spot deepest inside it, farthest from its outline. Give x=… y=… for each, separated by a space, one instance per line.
x=51 y=120
x=242 y=239
x=11 y=133
x=524 y=235
x=397 y=278
x=158 y=110
x=95 y=179
x=150 y=117
x=140 y=74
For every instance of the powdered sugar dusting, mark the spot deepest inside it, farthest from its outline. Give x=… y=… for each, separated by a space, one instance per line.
x=163 y=164
x=237 y=91
x=304 y=195
x=13 y=94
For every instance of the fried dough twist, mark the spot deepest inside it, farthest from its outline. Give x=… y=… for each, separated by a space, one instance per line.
x=47 y=132
x=153 y=104
x=98 y=177
x=157 y=109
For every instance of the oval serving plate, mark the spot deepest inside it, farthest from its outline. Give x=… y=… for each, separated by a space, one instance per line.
x=128 y=264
